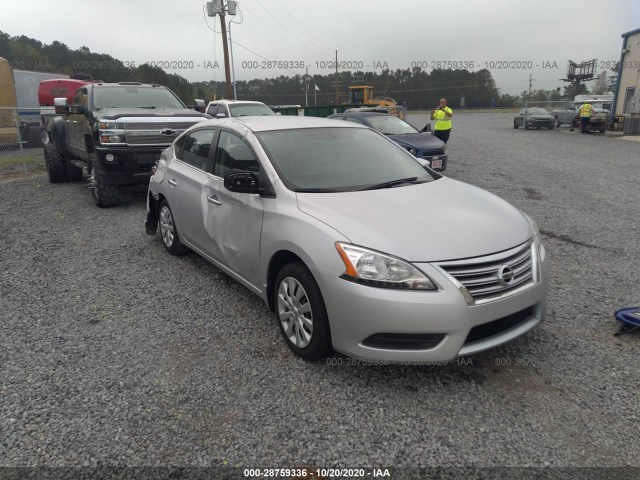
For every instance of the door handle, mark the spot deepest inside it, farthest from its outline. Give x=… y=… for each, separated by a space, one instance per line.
x=214 y=200
x=173 y=183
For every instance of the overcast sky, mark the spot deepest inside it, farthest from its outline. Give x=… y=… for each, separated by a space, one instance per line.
x=368 y=33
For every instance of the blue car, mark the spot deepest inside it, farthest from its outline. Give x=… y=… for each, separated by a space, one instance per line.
x=421 y=144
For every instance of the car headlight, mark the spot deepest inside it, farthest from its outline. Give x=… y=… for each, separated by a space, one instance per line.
x=379 y=270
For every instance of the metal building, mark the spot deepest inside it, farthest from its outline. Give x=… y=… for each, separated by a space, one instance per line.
x=627 y=93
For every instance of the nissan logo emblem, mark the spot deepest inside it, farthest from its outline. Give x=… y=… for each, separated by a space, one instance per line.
x=505 y=275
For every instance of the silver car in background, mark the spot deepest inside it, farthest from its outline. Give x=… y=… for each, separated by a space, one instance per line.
x=350 y=241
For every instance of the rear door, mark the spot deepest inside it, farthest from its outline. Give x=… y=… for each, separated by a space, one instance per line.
x=190 y=182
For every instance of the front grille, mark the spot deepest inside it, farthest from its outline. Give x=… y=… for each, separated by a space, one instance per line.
x=496 y=327
x=403 y=341
x=147 y=137
x=480 y=276
x=158 y=125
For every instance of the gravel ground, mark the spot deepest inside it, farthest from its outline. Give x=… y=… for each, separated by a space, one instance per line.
x=115 y=353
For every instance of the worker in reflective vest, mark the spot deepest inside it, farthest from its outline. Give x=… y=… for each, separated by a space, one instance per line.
x=585 y=116
x=442 y=115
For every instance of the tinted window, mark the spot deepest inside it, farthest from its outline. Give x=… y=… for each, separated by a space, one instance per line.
x=337 y=158
x=135 y=96
x=234 y=154
x=353 y=119
x=197 y=148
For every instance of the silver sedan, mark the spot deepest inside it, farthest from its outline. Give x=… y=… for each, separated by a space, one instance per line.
x=352 y=243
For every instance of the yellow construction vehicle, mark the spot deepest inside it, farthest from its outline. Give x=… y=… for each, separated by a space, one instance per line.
x=363 y=95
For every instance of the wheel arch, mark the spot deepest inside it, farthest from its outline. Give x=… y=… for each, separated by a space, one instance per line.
x=279 y=260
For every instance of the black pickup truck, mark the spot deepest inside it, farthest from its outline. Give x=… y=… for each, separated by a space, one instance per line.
x=117 y=132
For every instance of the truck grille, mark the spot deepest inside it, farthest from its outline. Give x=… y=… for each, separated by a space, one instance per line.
x=158 y=131
x=494 y=276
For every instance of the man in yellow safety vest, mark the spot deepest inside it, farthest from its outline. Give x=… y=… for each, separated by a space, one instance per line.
x=442 y=115
x=585 y=116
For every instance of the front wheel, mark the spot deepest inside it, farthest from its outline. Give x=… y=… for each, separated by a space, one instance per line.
x=169 y=231
x=105 y=195
x=301 y=313
x=515 y=124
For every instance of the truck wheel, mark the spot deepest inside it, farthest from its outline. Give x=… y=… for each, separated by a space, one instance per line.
x=44 y=136
x=515 y=125
x=169 y=231
x=55 y=164
x=602 y=130
x=104 y=195
x=526 y=127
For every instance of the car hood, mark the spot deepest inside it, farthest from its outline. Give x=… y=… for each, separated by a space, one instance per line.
x=419 y=141
x=435 y=221
x=115 y=113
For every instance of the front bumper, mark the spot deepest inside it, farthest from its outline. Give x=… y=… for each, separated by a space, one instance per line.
x=131 y=166
x=356 y=312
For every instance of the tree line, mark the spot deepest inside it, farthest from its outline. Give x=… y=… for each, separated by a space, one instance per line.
x=415 y=87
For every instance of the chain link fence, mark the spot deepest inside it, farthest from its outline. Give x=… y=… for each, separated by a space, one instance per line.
x=22 y=138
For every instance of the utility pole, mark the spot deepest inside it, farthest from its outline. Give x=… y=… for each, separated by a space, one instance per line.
x=337 y=90
x=530 y=84
x=218 y=7
x=306 y=87
x=225 y=47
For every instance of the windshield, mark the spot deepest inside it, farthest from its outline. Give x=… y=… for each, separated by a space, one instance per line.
x=338 y=159
x=249 y=109
x=135 y=97
x=390 y=125
x=535 y=111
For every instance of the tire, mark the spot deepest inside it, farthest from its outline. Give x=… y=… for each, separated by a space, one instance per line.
x=55 y=163
x=558 y=123
x=515 y=124
x=538 y=128
x=602 y=131
x=44 y=136
x=551 y=127
x=169 y=231
x=526 y=127
x=104 y=194
x=301 y=313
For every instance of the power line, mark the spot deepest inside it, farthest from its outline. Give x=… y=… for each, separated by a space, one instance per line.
x=275 y=31
x=286 y=15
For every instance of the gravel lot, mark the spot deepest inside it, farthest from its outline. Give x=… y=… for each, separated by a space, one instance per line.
x=115 y=353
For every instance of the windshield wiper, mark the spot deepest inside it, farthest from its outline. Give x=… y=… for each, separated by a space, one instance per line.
x=392 y=183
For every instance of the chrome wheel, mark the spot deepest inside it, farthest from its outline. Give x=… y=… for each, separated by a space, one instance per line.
x=294 y=312
x=166 y=226
x=44 y=136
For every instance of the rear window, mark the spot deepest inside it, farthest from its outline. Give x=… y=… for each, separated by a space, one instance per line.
x=248 y=110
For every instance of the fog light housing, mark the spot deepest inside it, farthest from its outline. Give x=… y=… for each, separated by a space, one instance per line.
x=110 y=157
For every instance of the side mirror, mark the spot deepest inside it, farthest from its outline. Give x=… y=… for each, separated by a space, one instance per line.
x=199 y=105
x=241 y=182
x=427 y=128
x=61 y=106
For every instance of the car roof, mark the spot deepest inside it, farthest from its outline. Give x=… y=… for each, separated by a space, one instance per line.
x=226 y=102
x=283 y=122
